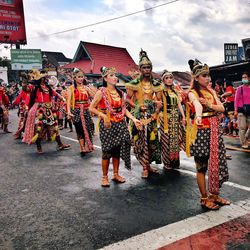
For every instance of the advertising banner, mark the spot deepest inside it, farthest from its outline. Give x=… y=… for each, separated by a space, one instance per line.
x=26 y=59
x=12 y=24
x=230 y=52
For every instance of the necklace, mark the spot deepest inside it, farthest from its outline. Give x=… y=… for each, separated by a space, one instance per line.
x=146 y=87
x=114 y=95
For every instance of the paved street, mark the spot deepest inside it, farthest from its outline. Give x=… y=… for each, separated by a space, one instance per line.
x=55 y=201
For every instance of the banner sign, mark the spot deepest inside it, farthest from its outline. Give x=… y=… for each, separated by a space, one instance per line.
x=230 y=52
x=26 y=59
x=240 y=55
x=12 y=24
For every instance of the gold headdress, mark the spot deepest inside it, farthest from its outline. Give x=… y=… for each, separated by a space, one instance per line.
x=166 y=73
x=77 y=71
x=197 y=68
x=105 y=71
x=144 y=60
x=35 y=74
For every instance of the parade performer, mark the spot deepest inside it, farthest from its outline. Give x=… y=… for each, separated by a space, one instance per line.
x=78 y=101
x=140 y=94
x=42 y=115
x=60 y=104
x=172 y=130
x=22 y=100
x=64 y=107
x=204 y=137
x=109 y=104
x=4 y=112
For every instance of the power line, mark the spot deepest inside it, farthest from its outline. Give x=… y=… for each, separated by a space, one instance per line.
x=107 y=20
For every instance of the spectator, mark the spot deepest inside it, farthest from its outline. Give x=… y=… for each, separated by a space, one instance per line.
x=242 y=108
x=217 y=86
x=229 y=96
x=225 y=122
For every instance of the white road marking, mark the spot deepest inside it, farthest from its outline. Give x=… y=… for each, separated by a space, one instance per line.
x=228 y=183
x=163 y=236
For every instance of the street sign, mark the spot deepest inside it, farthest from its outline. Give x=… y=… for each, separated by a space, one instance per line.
x=230 y=52
x=26 y=59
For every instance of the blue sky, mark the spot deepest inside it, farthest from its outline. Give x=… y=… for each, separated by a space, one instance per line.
x=73 y=5
x=171 y=34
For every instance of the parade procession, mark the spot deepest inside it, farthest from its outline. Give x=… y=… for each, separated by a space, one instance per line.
x=104 y=151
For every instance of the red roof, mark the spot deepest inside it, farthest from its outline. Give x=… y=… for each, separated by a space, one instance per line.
x=90 y=57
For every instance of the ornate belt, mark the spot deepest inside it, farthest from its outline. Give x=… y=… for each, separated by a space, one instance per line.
x=81 y=102
x=208 y=114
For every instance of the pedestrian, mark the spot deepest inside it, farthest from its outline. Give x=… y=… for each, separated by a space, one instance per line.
x=204 y=137
x=242 y=109
x=228 y=97
x=144 y=96
x=42 y=117
x=110 y=105
x=171 y=128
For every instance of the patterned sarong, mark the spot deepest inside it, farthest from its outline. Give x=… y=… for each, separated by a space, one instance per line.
x=205 y=145
x=117 y=135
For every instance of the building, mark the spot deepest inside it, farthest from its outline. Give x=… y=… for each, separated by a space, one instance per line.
x=230 y=71
x=90 y=57
x=53 y=60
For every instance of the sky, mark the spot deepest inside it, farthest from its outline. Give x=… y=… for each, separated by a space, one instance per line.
x=171 y=34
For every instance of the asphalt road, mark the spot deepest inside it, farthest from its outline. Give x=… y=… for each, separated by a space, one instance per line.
x=55 y=201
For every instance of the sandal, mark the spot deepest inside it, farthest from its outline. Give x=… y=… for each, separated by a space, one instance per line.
x=144 y=174
x=82 y=154
x=153 y=170
x=39 y=151
x=118 y=179
x=219 y=200
x=209 y=204
x=63 y=146
x=105 y=181
x=167 y=167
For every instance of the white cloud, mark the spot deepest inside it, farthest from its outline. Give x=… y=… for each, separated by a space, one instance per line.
x=171 y=34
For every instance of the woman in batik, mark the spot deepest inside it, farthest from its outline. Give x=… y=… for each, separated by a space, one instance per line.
x=78 y=101
x=171 y=128
x=204 y=137
x=42 y=117
x=110 y=106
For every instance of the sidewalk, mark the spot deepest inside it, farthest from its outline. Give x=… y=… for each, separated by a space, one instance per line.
x=233 y=143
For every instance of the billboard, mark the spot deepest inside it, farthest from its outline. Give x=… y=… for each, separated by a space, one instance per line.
x=240 y=56
x=26 y=59
x=12 y=24
x=230 y=52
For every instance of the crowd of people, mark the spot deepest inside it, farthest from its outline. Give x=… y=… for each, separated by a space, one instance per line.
x=234 y=119
x=162 y=118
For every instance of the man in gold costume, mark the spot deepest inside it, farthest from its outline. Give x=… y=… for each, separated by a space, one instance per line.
x=144 y=96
